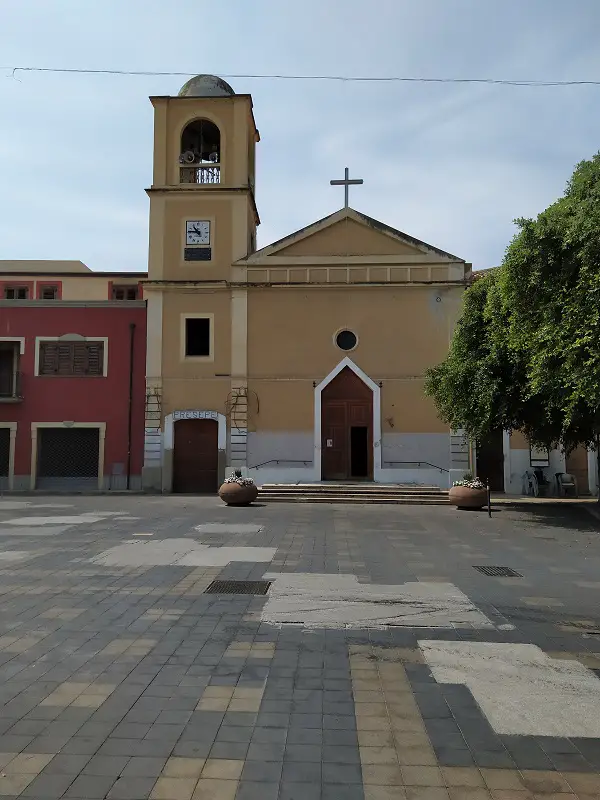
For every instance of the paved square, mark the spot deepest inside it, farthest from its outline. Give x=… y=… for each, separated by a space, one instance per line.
x=380 y=665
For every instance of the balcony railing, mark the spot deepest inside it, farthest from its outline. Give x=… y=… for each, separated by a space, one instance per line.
x=10 y=386
x=200 y=174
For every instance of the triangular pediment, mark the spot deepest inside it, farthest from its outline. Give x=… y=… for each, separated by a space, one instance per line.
x=347 y=233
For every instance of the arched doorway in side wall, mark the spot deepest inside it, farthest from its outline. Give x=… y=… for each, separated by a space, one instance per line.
x=196 y=456
x=490 y=460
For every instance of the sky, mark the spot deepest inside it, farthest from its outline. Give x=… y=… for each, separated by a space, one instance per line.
x=450 y=164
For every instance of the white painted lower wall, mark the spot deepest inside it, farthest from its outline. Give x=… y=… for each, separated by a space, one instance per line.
x=293 y=475
x=272 y=446
x=418 y=458
x=517 y=462
x=294 y=452
x=417 y=476
x=153 y=460
x=290 y=457
x=407 y=450
x=286 y=475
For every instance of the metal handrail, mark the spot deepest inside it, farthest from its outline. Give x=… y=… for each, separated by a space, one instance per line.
x=282 y=461
x=418 y=463
x=309 y=463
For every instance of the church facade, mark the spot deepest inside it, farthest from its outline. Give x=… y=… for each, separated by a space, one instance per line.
x=297 y=363
x=303 y=361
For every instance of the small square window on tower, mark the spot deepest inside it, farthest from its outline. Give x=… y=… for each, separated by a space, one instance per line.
x=198 y=337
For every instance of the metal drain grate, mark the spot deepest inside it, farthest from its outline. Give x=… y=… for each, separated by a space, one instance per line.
x=499 y=572
x=238 y=587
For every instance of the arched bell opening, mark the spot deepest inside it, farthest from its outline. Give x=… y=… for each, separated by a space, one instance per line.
x=200 y=153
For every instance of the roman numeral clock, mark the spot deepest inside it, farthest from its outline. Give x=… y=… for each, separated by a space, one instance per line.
x=197 y=240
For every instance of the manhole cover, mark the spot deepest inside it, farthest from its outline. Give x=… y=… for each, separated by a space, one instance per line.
x=499 y=572
x=238 y=587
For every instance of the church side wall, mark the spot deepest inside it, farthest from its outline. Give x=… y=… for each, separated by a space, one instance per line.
x=401 y=330
x=291 y=332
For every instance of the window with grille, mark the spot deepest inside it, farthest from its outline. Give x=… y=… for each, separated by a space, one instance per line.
x=16 y=292
x=125 y=293
x=84 y=359
x=49 y=293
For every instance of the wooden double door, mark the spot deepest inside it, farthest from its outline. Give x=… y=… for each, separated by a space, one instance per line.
x=196 y=456
x=347 y=429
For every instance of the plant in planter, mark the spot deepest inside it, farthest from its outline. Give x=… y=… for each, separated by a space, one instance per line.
x=238 y=491
x=469 y=492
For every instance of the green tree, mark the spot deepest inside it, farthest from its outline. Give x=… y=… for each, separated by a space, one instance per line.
x=526 y=351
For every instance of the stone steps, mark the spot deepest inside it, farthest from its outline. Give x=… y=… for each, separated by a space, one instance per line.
x=353 y=493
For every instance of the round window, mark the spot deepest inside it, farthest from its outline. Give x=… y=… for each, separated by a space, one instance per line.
x=346 y=340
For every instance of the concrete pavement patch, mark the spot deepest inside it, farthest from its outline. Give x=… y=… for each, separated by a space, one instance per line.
x=519 y=688
x=333 y=601
x=179 y=552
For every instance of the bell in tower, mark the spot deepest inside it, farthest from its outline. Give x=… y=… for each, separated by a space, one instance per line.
x=200 y=156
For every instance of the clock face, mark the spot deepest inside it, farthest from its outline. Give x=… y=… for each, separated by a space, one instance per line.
x=197 y=231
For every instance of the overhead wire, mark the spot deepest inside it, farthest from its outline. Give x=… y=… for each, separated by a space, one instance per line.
x=342 y=78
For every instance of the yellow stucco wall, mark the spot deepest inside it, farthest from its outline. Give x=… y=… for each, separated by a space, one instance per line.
x=180 y=394
x=410 y=411
x=348 y=237
x=178 y=304
x=84 y=288
x=291 y=344
x=401 y=332
x=167 y=235
x=282 y=405
x=518 y=441
x=288 y=405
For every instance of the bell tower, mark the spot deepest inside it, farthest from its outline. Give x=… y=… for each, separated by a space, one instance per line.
x=203 y=214
x=203 y=218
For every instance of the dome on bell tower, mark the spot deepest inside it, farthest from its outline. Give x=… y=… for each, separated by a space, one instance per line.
x=206 y=86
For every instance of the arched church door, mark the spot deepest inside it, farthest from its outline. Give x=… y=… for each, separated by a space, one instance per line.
x=196 y=456
x=347 y=429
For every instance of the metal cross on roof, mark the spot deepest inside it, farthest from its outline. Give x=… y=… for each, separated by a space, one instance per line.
x=346 y=183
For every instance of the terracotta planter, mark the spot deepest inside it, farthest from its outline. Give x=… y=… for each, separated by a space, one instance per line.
x=463 y=497
x=235 y=495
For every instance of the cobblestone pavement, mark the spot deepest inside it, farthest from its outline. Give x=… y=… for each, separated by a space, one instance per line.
x=121 y=678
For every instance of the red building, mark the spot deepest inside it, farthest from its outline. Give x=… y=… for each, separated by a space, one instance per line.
x=72 y=382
